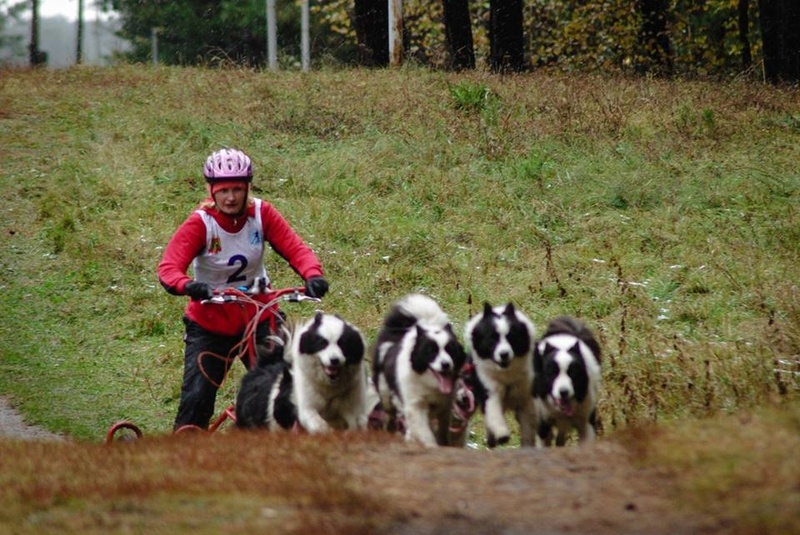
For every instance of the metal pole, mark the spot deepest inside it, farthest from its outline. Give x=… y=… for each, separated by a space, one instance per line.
x=154 y=45
x=395 y=32
x=304 y=41
x=272 y=36
x=79 y=48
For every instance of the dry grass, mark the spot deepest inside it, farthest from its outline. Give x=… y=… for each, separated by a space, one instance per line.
x=742 y=469
x=187 y=484
x=736 y=474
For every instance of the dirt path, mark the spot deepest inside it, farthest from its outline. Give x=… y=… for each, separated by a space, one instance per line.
x=594 y=490
x=12 y=425
x=574 y=490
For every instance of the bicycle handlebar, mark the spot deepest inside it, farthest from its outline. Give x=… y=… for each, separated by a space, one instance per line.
x=295 y=294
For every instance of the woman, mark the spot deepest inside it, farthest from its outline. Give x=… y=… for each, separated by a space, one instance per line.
x=223 y=241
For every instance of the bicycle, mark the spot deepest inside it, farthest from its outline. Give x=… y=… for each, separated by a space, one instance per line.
x=125 y=430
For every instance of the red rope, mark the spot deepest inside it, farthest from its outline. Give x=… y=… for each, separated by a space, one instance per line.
x=246 y=347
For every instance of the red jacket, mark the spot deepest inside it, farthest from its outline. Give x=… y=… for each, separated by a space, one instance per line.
x=189 y=240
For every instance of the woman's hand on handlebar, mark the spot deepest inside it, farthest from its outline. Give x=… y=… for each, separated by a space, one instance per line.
x=198 y=290
x=316 y=287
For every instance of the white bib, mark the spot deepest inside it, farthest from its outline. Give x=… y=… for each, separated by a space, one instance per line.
x=231 y=259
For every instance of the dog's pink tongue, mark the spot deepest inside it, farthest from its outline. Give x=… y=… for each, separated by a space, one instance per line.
x=566 y=407
x=331 y=371
x=445 y=383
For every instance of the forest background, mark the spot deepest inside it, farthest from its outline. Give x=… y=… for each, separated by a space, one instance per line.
x=720 y=38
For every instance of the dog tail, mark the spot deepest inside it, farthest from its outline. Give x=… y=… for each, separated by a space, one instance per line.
x=408 y=312
x=274 y=348
x=577 y=328
x=423 y=309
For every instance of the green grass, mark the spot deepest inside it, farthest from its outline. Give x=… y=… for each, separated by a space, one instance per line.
x=665 y=214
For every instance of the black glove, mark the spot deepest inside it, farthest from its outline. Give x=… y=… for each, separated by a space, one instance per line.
x=198 y=290
x=316 y=287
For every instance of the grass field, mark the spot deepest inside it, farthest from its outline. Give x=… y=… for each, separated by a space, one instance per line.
x=663 y=213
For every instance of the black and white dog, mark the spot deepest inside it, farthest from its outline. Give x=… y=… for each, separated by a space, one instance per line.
x=499 y=344
x=266 y=399
x=330 y=378
x=566 y=382
x=415 y=363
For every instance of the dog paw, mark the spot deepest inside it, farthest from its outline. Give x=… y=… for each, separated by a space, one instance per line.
x=497 y=439
x=493 y=441
x=314 y=424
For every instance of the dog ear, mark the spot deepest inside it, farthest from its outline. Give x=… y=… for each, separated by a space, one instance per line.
x=538 y=357
x=352 y=344
x=318 y=319
x=509 y=311
x=420 y=331
x=487 y=310
x=589 y=339
x=457 y=353
x=576 y=352
x=422 y=350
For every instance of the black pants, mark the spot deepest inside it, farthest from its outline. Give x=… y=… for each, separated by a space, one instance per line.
x=201 y=378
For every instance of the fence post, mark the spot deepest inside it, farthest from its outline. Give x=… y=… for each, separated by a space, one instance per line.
x=304 y=39
x=154 y=45
x=272 y=38
x=395 y=32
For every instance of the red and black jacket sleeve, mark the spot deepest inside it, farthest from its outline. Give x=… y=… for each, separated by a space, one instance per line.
x=188 y=241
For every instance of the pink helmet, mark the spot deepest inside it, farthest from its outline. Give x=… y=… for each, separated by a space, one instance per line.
x=225 y=165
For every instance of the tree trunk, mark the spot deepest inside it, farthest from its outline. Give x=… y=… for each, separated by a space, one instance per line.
x=35 y=56
x=780 y=32
x=505 y=36
x=372 y=32
x=656 y=56
x=744 y=33
x=458 y=30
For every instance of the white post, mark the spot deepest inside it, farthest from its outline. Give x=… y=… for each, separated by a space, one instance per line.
x=272 y=36
x=395 y=32
x=306 y=49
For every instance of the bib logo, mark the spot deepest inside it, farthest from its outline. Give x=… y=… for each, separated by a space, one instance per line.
x=216 y=246
x=255 y=238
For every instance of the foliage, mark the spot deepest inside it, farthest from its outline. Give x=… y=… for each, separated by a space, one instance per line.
x=192 y=32
x=705 y=36
x=582 y=35
x=599 y=36
x=470 y=96
x=9 y=43
x=424 y=35
x=593 y=36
